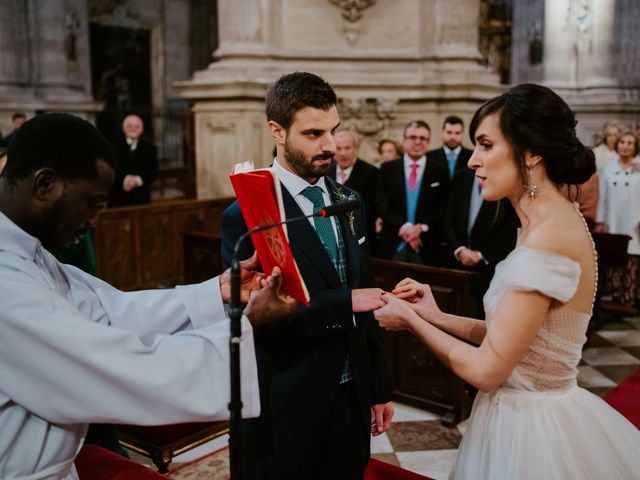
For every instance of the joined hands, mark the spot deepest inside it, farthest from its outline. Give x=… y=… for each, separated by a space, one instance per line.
x=261 y=293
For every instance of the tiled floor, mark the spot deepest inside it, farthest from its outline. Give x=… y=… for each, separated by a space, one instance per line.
x=417 y=441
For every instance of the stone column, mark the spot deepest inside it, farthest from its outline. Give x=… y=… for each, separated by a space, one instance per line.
x=577 y=47
x=389 y=62
x=44 y=65
x=582 y=65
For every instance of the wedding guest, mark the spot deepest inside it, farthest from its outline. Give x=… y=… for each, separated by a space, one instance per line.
x=530 y=419
x=137 y=166
x=605 y=151
x=587 y=196
x=618 y=208
x=17 y=119
x=389 y=150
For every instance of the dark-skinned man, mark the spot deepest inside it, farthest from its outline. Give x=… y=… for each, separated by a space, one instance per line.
x=75 y=350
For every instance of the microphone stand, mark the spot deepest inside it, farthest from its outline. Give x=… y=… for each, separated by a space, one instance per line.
x=235 y=315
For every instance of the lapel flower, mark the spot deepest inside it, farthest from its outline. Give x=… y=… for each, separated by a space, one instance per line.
x=340 y=196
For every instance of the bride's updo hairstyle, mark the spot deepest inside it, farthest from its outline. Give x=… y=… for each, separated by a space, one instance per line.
x=535 y=119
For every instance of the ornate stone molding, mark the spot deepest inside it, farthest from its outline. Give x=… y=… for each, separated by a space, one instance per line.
x=352 y=9
x=352 y=13
x=370 y=117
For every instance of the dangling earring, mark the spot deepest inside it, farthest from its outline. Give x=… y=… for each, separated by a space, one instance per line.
x=531 y=187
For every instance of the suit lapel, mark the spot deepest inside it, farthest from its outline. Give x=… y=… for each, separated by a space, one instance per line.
x=352 y=248
x=305 y=242
x=424 y=191
x=464 y=197
x=401 y=186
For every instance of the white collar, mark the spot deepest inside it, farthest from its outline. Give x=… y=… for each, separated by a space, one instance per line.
x=456 y=150
x=422 y=161
x=293 y=183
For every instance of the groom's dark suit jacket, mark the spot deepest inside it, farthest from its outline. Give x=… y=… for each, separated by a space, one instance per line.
x=300 y=361
x=493 y=233
x=364 y=180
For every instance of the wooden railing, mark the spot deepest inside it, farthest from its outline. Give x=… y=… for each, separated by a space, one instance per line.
x=418 y=377
x=141 y=247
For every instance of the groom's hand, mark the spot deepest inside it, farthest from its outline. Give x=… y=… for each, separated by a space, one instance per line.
x=381 y=417
x=367 y=299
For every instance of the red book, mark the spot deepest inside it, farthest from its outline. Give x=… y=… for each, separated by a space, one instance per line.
x=260 y=198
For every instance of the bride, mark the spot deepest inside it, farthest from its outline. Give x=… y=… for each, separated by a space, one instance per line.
x=530 y=420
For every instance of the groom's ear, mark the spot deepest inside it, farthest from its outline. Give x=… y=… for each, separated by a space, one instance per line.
x=278 y=132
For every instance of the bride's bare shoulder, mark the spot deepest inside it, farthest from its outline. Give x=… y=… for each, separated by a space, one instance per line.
x=562 y=235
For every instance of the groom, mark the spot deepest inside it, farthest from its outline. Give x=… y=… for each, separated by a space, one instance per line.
x=324 y=385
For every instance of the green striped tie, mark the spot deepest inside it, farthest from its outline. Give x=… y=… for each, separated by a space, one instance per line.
x=323 y=226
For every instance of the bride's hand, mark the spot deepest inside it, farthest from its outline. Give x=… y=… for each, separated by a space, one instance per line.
x=420 y=297
x=395 y=315
x=409 y=290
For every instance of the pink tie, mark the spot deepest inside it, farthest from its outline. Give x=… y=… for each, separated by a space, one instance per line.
x=343 y=177
x=413 y=176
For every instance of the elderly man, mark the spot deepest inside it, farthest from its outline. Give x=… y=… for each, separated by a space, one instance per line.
x=75 y=350
x=137 y=165
x=358 y=175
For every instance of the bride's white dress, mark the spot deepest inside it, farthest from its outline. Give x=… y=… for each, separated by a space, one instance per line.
x=540 y=424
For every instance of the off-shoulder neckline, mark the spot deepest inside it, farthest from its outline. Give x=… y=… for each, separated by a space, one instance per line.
x=542 y=251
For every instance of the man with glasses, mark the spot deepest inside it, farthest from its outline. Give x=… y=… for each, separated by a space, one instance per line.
x=411 y=198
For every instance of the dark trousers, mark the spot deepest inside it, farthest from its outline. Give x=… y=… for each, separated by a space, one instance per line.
x=348 y=441
x=340 y=447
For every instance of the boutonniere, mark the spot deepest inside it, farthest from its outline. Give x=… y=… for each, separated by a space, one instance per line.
x=340 y=196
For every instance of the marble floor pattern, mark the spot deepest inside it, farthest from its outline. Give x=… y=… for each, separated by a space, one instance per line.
x=418 y=442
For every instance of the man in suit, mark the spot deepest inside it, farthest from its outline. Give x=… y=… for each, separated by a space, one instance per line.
x=17 y=119
x=358 y=175
x=137 y=165
x=411 y=198
x=479 y=233
x=324 y=385
x=452 y=154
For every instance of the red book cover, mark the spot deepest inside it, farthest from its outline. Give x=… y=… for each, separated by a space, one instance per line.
x=260 y=198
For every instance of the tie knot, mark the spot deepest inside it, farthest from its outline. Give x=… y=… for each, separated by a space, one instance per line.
x=314 y=194
x=414 y=166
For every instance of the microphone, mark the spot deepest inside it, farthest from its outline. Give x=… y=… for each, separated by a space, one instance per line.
x=338 y=208
x=235 y=314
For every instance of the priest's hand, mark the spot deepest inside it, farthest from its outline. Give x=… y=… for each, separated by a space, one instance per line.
x=250 y=280
x=267 y=304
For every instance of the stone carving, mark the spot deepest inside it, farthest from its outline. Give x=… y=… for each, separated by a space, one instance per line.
x=352 y=13
x=352 y=9
x=71 y=37
x=370 y=117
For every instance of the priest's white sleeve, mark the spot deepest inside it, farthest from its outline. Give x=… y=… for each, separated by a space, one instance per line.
x=65 y=360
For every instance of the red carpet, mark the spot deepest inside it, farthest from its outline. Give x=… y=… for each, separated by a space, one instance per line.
x=215 y=466
x=377 y=470
x=625 y=398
